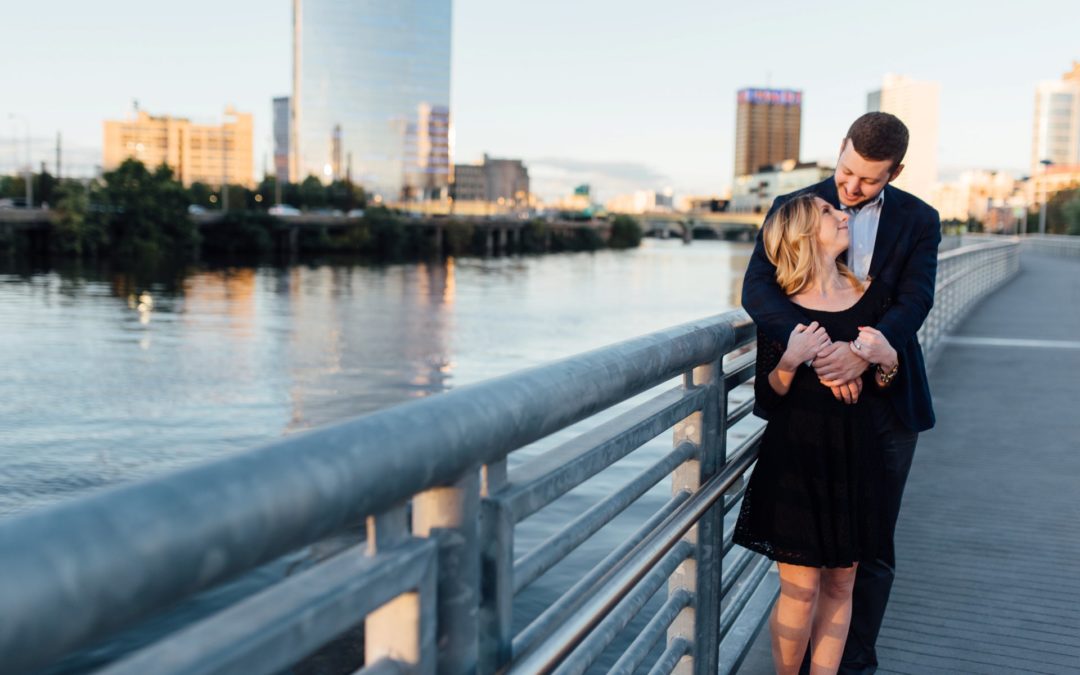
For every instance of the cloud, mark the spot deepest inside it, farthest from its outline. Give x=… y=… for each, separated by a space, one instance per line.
x=553 y=177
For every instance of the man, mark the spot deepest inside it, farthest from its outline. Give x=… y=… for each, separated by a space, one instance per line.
x=894 y=240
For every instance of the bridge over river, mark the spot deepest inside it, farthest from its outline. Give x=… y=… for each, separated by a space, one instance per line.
x=986 y=545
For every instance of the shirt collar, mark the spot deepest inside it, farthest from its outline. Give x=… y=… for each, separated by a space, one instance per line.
x=876 y=201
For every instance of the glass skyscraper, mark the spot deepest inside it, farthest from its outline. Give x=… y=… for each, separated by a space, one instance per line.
x=371 y=95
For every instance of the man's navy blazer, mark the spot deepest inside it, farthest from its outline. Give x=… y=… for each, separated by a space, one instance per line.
x=905 y=259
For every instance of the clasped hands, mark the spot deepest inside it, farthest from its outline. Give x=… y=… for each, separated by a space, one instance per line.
x=839 y=365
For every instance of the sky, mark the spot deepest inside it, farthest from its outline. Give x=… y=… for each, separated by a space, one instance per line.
x=624 y=94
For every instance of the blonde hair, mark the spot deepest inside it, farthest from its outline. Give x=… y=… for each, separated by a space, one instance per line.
x=791 y=244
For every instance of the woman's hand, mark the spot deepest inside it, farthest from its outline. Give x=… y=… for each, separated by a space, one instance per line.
x=872 y=346
x=804 y=344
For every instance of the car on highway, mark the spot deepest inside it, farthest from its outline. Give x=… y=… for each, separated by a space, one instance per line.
x=283 y=210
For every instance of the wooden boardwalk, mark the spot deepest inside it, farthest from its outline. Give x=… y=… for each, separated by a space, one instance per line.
x=988 y=543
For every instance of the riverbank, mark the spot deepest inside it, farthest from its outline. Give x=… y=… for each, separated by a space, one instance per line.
x=135 y=214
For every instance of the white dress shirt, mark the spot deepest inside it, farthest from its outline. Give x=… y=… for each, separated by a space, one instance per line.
x=862 y=227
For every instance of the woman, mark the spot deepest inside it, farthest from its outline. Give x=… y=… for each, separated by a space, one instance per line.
x=812 y=501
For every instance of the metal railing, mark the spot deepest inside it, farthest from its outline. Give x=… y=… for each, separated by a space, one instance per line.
x=1054 y=244
x=965 y=276
x=434 y=582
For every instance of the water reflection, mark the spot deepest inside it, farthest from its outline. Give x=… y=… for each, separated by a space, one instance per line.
x=361 y=336
x=112 y=375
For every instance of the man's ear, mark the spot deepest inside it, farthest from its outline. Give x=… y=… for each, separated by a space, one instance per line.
x=896 y=172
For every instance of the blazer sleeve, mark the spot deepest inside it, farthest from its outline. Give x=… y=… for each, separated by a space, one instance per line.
x=762 y=297
x=914 y=294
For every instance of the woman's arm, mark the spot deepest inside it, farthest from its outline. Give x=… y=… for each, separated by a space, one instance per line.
x=779 y=364
x=781 y=376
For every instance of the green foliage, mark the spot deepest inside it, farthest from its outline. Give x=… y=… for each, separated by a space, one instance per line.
x=75 y=234
x=345 y=196
x=13 y=187
x=1070 y=211
x=625 y=233
x=578 y=239
x=44 y=189
x=200 y=193
x=312 y=193
x=587 y=239
x=144 y=214
x=1057 y=218
x=387 y=232
x=240 y=232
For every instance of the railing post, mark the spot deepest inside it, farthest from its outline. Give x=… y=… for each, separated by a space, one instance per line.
x=451 y=514
x=496 y=572
x=700 y=575
x=404 y=628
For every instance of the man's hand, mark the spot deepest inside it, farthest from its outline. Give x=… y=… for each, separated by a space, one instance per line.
x=848 y=392
x=839 y=364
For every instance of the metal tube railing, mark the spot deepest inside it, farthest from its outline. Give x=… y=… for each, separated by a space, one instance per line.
x=431 y=477
x=651 y=633
x=965 y=276
x=1054 y=244
x=556 y=547
x=600 y=637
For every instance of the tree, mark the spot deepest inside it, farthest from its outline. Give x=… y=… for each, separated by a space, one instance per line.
x=75 y=233
x=345 y=196
x=44 y=188
x=144 y=214
x=13 y=187
x=312 y=194
x=625 y=233
x=200 y=193
x=1070 y=210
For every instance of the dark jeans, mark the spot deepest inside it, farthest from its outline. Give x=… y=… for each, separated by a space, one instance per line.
x=874 y=579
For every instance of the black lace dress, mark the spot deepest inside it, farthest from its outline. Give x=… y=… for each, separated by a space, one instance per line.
x=814 y=497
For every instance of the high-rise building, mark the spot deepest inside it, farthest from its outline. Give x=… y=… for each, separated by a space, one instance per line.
x=1057 y=122
x=507 y=179
x=204 y=153
x=767 y=128
x=917 y=104
x=470 y=183
x=371 y=95
x=501 y=181
x=281 y=138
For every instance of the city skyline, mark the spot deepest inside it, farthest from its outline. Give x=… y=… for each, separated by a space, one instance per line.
x=562 y=87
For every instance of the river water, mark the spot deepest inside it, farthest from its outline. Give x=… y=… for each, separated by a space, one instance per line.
x=109 y=377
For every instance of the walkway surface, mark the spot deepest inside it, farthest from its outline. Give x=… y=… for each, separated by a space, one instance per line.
x=988 y=543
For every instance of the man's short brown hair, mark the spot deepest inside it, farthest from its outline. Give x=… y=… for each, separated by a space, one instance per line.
x=878 y=136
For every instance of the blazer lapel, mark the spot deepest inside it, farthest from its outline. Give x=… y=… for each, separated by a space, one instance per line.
x=889 y=226
x=826 y=189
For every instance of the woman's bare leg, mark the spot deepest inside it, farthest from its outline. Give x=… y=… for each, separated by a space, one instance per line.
x=831 y=619
x=790 y=621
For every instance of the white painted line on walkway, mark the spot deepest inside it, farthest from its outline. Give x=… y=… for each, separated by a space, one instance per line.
x=1010 y=342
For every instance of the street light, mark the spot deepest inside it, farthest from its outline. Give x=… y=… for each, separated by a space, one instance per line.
x=1042 y=208
x=29 y=160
